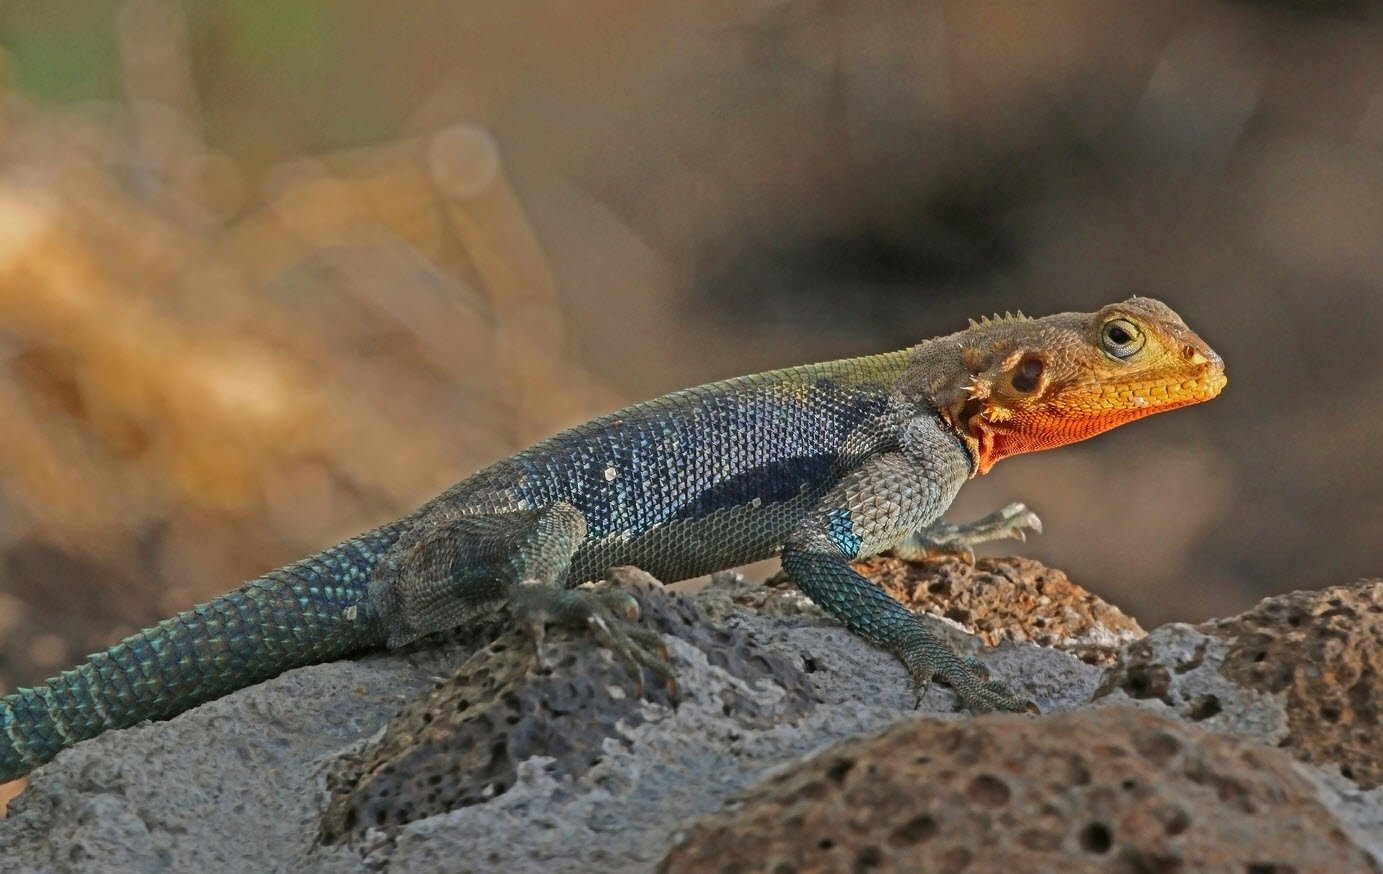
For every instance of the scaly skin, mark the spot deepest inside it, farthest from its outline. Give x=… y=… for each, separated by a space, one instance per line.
x=819 y=464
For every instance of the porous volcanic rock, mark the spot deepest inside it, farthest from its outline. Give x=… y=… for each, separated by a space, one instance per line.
x=996 y=599
x=1010 y=598
x=1308 y=664
x=1111 y=789
x=463 y=742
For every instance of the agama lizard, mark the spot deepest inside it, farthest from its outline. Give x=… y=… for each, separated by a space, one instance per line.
x=819 y=464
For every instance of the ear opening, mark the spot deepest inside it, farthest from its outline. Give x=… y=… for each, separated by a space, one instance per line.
x=1026 y=375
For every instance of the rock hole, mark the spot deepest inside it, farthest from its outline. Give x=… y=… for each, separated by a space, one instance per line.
x=839 y=769
x=498 y=750
x=917 y=830
x=989 y=791
x=1205 y=707
x=825 y=844
x=809 y=664
x=958 y=614
x=1149 y=681
x=813 y=790
x=1177 y=823
x=868 y=859
x=1096 y=838
x=1077 y=773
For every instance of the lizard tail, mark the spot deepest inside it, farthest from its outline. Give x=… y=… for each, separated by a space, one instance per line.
x=309 y=612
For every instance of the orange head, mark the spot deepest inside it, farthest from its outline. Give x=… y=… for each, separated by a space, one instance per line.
x=1012 y=384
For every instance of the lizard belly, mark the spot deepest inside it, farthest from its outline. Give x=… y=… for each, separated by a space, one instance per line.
x=681 y=549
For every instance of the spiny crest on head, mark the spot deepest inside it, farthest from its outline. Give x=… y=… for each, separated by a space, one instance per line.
x=997 y=319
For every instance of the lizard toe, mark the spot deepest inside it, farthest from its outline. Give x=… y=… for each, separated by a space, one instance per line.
x=609 y=615
x=1002 y=698
x=975 y=691
x=977 y=668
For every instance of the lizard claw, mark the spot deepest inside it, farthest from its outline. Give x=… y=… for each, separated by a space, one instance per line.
x=920 y=687
x=1012 y=521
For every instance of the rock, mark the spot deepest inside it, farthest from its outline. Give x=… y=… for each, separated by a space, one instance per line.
x=405 y=762
x=995 y=599
x=1302 y=671
x=464 y=742
x=1112 y=789
x=1003 y=599
x=233 y=785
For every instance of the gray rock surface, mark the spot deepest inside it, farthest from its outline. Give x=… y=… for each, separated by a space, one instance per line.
x=250 y=782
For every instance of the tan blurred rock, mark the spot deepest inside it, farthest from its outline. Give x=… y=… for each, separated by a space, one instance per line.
x=1114 y=789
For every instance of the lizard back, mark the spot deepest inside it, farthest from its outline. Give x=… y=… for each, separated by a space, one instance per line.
x=701 y=479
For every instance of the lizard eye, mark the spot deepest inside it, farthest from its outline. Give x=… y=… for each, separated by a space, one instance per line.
x=1121 y=338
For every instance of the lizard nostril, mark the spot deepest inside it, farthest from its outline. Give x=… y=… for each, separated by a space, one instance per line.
x=1193 y=354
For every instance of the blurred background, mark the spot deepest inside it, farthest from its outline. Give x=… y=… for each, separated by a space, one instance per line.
x=271 y=274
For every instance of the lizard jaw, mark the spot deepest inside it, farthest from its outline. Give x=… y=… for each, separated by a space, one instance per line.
x=997 y=432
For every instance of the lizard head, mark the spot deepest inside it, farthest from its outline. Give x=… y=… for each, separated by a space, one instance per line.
x=1012 y=384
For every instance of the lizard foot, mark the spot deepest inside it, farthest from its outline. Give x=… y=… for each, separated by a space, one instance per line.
x=942 y=538
x=967 y=676
x=610 y=614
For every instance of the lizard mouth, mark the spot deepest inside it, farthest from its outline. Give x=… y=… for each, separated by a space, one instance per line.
x=1216 y=383
x=1210 y=383
x=1166 y=396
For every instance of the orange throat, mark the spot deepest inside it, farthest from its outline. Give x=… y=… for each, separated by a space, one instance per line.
x=993 y=436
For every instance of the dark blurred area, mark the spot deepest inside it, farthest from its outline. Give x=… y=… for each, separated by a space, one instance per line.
x=271 y=274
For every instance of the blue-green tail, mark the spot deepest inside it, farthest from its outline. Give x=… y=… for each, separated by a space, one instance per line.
x=309 y=612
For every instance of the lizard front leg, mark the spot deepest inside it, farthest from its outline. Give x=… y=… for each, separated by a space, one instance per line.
x=1012 y=521
x=872 y=508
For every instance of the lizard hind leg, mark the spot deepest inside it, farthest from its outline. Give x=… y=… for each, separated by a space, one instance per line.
x=1012 y=521
x=452 y=570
